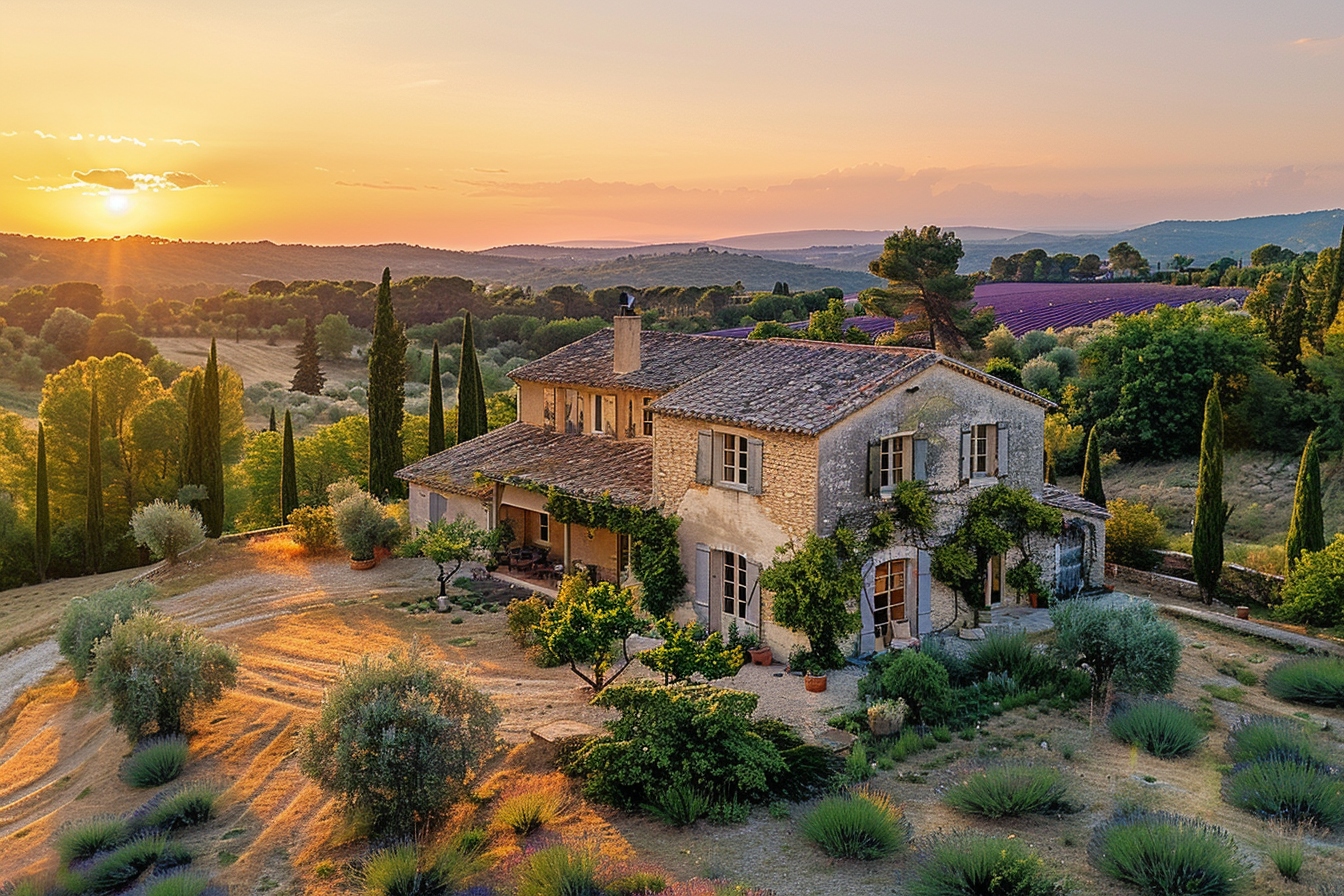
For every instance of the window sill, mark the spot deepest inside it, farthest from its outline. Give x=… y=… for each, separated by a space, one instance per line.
x=981 y=481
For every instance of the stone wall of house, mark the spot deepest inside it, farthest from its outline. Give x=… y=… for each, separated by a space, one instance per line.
x=417 y=507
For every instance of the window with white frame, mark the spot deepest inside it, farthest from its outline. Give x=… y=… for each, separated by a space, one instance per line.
x=736 y=594
x=984 y=450
x=734 y=468
x=895 y=459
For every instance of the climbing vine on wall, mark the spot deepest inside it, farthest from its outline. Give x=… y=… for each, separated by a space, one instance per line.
x=655 y=555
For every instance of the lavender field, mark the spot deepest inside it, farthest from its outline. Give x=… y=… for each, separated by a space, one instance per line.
x=1036 y=306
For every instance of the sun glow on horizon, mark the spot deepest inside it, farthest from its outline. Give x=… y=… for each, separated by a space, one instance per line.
x=118 y=203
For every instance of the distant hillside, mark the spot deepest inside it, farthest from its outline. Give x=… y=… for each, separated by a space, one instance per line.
x=831 y=257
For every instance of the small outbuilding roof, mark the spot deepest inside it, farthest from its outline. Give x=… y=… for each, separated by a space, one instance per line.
x=1054 y=496
x=583 y=466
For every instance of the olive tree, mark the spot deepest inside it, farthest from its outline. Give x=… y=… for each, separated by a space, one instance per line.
x=86 y=619
x=167 y=529
x=588 y=626
x=397 y=740
x=449 y=545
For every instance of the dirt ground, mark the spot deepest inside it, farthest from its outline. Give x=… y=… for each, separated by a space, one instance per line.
x=295 y=620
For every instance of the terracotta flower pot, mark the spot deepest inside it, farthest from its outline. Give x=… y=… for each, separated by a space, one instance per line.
x=1035 y=599
x=363 y=564
x=761 y=656
x=814 y=683
x=1243 y=612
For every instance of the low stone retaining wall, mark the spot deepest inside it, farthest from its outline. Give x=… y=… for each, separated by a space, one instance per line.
x=1239 y=584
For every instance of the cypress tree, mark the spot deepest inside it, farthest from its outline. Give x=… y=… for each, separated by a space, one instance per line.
x=193 y=469
x=1306 y=531
x=471 y=419
x=272 y=426
x=1211 y=512
x=42 y=530
x=387 y=395
x=437 y=436
x=93 y=517
x=1092 y=490
x=308 y=376
x=289 y=482
x=212 y=457
x=1332 y=298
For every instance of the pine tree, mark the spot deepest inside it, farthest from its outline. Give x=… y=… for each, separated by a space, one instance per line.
x=1332 y=298
x=271 y=428
x=1092 y=490
x=387 y=395
x=212 y=456
x=437 y=436
x=1306 y=531
x=471 y=419
x=42 y=530
x=308 y=376
x=93 y=517
x=289 y=482
x=1211 y=512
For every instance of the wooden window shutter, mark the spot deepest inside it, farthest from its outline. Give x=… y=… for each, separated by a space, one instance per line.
x=609 y=414
x=715 y=589
x=704 y=458
x=703 y=597
x=754 y=594
x=966 y=454
x=874 y=469
x=919 y=461
x=1002 y=446
x=755 y=448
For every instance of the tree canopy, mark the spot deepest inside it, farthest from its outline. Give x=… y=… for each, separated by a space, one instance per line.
x=921 y=270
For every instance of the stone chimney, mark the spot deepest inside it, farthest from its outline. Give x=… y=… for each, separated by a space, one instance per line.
x=625 y=356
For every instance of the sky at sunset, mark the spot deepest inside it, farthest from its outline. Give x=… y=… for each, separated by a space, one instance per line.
x=466 y=124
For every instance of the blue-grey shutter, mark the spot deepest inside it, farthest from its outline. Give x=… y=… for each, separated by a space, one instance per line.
x=704 y=458
x=702 y=596
x=923 y=601
x=966 y=454
x=1002 y=441
x=755 y=448
x=754 y=595
x=919 y=464
x=874 y=469
x=438 y=506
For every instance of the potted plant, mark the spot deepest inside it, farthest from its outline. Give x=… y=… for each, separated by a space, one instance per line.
x=886 y=717
x=758 y=652
x=1025 y=577
x=363 y=526
x=813 y=586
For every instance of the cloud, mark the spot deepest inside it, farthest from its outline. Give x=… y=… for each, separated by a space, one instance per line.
x=491 y=170
x=181 y=142
x=45 y=136
x=184 y=181
x=112 y=178
x=383 y=186
x=108 y=138
x=77 y=137
x=1319 y=44
x=9 y=133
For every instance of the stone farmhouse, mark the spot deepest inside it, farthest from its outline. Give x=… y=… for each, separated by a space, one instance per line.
x=753 y=445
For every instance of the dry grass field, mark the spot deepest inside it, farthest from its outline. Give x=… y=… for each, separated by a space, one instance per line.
x=253 y=359
x=295 y=620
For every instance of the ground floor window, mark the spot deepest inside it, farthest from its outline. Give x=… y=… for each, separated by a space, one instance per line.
x=888 y=599
x=544 y=528
x=735 y=590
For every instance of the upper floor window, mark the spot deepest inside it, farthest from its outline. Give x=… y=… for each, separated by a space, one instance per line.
x=729 y=460
x=895 y=459
x=604 y=414
x=734 y=459
x=574 y=411
x=984 y=451
x=648 y=416
x=548 y=409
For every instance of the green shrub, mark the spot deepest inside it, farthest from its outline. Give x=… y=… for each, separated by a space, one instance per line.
x=526 y=811
x=523 y=616
x=959 y=671
x=1121 y=641
x=1161 y=727
x=86 y=619
x=1313 y=592
x=183 y=883
x=858 y=768
x=157 y=672
x=639 y=883
x=1134 y=534
x=919 y=680
x=167 y=529
x=1010 y=790
x=117 y=869
x=679 y=806
x=687 y=650
x=156 y=761
x=808 y=770
x=1287 y=789
x=556 y=871
x=976 y=865
x=1287 y=858
x=1269 y=737
x=859 y=825
x=174 y=855
x=397 y=739
x=1317 y=680
x=406 y=870
x=363 y=525
x=84 y=838
x=183 y=807
x=1168 y=855
x=314 y=529
x=688 y=735
x=1007 y=652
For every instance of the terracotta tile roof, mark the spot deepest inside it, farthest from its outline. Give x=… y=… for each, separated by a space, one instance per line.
x=666 y=361
x=795 y=386
x=584 y=466
x=1055 y=496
